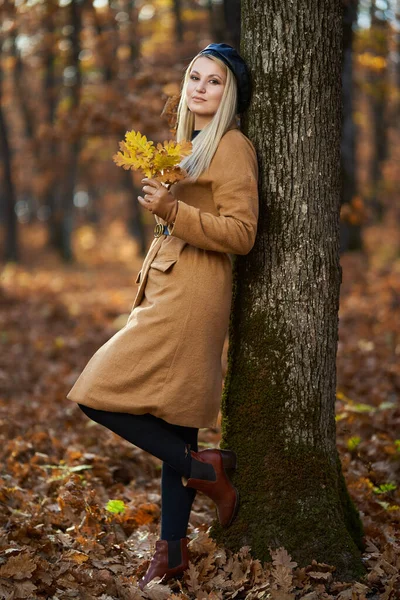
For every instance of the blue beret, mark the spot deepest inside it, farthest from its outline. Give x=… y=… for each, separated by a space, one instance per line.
x=235 y=62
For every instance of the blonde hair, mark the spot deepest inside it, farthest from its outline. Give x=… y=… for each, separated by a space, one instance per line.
x=206 y=142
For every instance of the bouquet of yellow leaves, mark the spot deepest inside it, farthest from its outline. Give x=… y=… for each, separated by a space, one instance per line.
x=160 y=162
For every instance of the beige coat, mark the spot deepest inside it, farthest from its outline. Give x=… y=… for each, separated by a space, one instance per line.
x=166 y=360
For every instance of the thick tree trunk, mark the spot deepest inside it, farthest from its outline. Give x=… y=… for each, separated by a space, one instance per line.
x=278 y=405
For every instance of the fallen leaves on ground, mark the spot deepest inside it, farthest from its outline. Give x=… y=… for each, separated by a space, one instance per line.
x=80 y=507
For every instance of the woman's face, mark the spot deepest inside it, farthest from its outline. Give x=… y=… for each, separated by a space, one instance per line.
x=204 y=89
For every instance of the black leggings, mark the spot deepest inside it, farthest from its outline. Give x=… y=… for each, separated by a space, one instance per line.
x=168 y=442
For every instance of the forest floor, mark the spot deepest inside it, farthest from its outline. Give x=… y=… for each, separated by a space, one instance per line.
x=61 y=537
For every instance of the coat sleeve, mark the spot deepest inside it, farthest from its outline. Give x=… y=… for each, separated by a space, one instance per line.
x=235 y=194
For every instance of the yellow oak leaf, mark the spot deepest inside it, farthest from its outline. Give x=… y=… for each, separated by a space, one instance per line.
x=161 y=162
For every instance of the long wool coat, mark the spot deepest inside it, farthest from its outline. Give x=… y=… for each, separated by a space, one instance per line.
x=166 y=360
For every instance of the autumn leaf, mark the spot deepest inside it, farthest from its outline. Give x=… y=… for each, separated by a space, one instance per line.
x=155 y=590
x=283 y=569
x=24 y=589
x=18 y=567
x=203 y=544
x=146 y=513
x=76 y=556
x=170 y=110
x=192 y=578
x=161 y=163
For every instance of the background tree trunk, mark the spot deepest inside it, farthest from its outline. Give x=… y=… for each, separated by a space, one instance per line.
x=178 y=21
x=232 y=10
x=7 y=194
x=278 y=405
x=350 y=234
x=217 y=21
x=62 y=219
x=379 y=108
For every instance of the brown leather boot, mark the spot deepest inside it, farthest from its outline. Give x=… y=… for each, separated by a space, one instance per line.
x=221 y=491
x=159 y=563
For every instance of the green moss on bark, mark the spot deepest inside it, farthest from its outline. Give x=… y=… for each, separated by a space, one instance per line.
x=292 y=490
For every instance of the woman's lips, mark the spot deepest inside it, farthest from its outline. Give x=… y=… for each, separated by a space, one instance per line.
x=199 y=99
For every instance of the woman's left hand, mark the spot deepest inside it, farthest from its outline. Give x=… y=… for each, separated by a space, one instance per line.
x=158 y=200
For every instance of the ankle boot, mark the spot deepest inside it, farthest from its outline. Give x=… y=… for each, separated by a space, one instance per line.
x=159 y=563
x=221 y=491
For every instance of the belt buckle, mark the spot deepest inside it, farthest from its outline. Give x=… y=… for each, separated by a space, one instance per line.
x=158 y=230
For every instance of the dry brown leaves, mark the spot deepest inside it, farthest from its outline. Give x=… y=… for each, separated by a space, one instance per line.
x=59 y=470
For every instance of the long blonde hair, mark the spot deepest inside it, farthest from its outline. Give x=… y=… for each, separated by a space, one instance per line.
x=206 y=142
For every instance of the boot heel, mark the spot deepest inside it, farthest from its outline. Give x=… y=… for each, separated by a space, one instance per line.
x=228 y=459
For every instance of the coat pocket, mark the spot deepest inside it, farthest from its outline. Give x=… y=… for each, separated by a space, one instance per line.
x=164 y=264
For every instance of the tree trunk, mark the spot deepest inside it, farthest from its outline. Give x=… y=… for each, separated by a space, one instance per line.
x=379 y=111
x=178 y=21
x=232 y=12
x=350 y=234
x=217 y=21
x=11 y=250
x=10 y=218
x=50 y=148
x=278 y=405
x=63 y=216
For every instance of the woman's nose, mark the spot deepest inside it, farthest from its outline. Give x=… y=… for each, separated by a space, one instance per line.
x=200 y=87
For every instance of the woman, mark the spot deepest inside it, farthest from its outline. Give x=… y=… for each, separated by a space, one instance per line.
x=159 y=379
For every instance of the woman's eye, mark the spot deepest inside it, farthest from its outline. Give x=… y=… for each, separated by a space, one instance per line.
x=211 y=80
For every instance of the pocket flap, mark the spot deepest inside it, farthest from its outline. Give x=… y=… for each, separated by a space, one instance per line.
x=163 y=265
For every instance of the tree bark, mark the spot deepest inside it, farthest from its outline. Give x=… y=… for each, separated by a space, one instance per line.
x=278 y=405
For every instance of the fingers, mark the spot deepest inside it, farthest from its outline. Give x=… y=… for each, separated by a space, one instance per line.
x=149 y=190
x=143 y=202
x=151 y=182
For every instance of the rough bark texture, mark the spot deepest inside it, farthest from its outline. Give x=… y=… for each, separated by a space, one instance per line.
x=279 y=398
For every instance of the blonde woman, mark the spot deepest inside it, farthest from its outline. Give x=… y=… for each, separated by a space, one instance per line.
x=159 y=379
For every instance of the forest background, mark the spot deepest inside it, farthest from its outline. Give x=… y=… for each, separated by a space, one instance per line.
x=79 y=507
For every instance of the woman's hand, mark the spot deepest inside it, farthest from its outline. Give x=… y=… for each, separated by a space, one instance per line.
x=159 y=200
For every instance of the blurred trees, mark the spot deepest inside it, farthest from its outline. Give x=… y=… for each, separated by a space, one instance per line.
x=350 y=232
x=77 y=76
x=7 y=192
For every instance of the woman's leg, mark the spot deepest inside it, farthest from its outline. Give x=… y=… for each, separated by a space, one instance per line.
x=152 y=434
x=176 y=499
x=172 y=444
